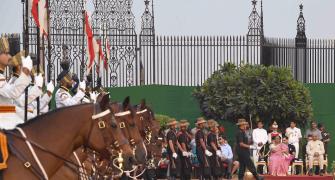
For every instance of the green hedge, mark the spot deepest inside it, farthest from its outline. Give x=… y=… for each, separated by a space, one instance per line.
x=178 y=102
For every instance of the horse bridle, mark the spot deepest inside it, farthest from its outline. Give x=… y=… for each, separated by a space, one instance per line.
x=147 y=128
x=126 y=126
x=21 y=157
x=115 y=144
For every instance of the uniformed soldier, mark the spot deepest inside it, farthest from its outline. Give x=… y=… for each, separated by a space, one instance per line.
x=213 y=146
x=8 y=92
x=184 y=140
x=201 y=149
x=33 y=92
x=172 y=149
x=16 y=64
x=242 y=148
x=325 y=136
x=63 y=97
x=32 y=106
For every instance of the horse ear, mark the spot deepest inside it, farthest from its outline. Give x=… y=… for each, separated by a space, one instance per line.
x=143 y=104
x=126 y=102
x=104 y=101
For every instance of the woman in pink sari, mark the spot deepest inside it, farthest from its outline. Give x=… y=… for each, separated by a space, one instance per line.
x=279 y=158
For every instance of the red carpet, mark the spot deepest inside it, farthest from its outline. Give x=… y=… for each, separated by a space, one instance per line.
x=298 y=177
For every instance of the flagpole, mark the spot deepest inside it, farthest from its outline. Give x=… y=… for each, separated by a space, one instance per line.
x=26 y=47
x=38 y=58
x=106 y=49
x=49 y=44
x=82 y=68
x=99 y=58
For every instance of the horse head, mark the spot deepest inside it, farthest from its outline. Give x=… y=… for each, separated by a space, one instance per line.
x=126 y=122
x=106 y=135
x=149 y=128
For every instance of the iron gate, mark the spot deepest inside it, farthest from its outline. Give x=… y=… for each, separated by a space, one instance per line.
x=148 y=58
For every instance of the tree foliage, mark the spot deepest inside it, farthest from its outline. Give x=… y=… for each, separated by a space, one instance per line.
x=162 y=119
x=269 y=93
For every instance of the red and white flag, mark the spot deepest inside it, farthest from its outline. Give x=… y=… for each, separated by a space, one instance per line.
x=101 y=56
x=39 y=11
x=92 y=45
x=108 y=54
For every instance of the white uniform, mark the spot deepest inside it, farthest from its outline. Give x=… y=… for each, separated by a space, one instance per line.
x=258 y=136
x=63 y=98
x=9 y=92
x=33 y=93
x=294 y=135
x=32 y=107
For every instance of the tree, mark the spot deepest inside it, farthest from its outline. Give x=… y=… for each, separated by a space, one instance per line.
x=269 y=93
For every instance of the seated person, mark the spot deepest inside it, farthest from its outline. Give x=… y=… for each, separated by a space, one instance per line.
x=315 y=151
x=279 y=158
x=227 y=156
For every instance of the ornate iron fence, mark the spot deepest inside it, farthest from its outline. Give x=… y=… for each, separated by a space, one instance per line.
x=148 y=58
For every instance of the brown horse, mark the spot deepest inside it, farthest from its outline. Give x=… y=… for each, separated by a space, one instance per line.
x=55 y=135
x=73 y=171
x=149 y=129
x=68 y=171
x=130 y=129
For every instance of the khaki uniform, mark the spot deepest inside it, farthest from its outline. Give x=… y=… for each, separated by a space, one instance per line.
x=8 y=92
x=312 y=148
x=63 y=98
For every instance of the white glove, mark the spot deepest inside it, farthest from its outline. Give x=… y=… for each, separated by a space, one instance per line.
x=174 y=155
x=208 y=153
x=82 y=85
x=94 y=96
x=252 y=147
x=27 y=63
x=218 y=153
x=39 y=80
x=50 y=87
x=185 y=154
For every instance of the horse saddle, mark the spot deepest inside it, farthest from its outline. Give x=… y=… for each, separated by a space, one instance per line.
x=4 y=151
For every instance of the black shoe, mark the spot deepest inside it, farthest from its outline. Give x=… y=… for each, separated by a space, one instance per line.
x=259 y=178
x=321 y=173
x=310 y=172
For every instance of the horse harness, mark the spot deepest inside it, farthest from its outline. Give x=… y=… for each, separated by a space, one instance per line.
x=40 y=171
x=147 y=130
x=125 y=125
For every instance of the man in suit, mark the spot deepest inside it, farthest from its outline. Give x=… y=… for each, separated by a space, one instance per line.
x=315 y=151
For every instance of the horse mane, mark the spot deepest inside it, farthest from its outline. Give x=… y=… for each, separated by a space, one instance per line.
x=42 y=116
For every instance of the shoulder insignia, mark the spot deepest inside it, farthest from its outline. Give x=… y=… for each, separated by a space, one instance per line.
x=63 y=96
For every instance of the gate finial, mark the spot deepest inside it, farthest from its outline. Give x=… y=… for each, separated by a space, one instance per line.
x=301 y=28
x=254 y=21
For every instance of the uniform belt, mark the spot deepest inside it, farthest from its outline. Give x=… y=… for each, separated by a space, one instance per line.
x=7 y=109
x=30 y=110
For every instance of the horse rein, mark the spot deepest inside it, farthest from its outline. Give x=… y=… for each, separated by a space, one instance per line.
x=147 y=130
x=102 y=126
x=31 y=144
